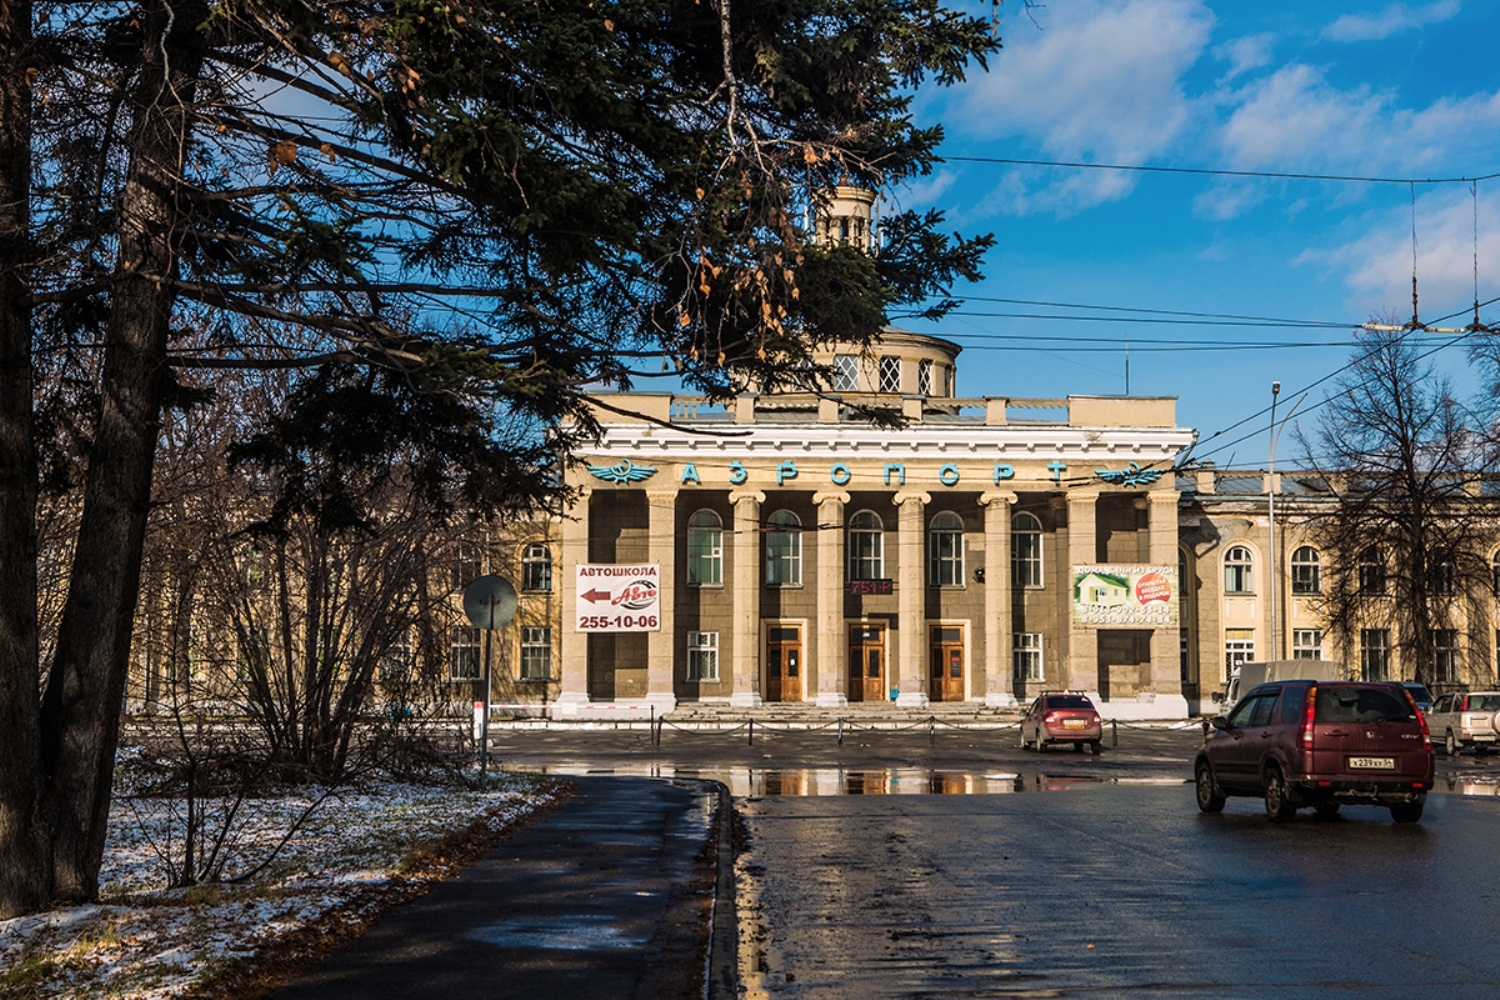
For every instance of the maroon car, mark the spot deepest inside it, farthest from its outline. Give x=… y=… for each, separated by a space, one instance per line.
x=1319 y=745
x=1062 y=717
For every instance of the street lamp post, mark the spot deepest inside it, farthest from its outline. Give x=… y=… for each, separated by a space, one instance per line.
x=1275 y=574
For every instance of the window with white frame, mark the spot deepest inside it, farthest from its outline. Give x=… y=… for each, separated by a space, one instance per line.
x=1307 y=571
x=783 y=550
x=1307 y=644
x=924 y=376
x=945 y=550
x=255 y=569
x=536 y=567
x=1375 y=654
x=1443 y=580
x=1495 y=573
x=1239 y=567
x=463 y=653
x=1026 y=656
x=866 y=547
x=703 y=656
x=395 y=663
x=705 y=550
x=1445 y=655
x=1026 y=551
x=468 y=565
x=845 y=373
x=536 y=652
x=890 y=374
x=1239 y=647
x=1372 y=571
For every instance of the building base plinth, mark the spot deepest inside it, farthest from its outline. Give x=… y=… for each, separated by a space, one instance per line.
x=912 y=699
x=745 y=699
x=1000 y=699
x=832 y=699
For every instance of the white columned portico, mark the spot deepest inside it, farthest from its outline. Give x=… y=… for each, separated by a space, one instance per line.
x=910 y=591
x=573 y=646
x=832 y=643
x=745 y=677
x=661 y=645
x=999 y=684
x=1083 y=550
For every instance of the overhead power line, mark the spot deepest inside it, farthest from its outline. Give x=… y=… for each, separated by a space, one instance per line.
x=1211 y=172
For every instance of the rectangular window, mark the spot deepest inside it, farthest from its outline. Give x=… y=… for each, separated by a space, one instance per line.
x=890 y=374
x=395 y=662
x=463 y=653
x=924 y=377
x=1239 y=647
x=468 y=566
x=1027 y=656
x=536 y=652
x=703 y=656
x=1375 y=654
x=1184 y=654
x=1445 y=655
x=845 y=373
x=1307 y=644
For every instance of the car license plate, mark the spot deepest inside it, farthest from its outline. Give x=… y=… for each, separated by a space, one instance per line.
x=1073 y=724
x=1372 y=763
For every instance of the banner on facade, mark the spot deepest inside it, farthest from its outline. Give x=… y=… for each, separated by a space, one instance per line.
x=1125 y=595
x=618 y=598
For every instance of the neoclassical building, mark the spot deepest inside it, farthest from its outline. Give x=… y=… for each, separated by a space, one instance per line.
x=785 y=548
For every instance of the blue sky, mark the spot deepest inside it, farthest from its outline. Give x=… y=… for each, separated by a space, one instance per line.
x=1389 y=90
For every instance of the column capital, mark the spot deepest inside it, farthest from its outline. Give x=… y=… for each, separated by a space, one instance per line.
x=1164 y=497
x=905 y=497
x=830 y=496
x=998 y=496
x=736 y=496
x=1075 y=497
x=661 y=496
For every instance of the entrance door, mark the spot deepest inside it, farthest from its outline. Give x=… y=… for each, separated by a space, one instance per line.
x=946 y=663
x=867 y=663
x=784 y=663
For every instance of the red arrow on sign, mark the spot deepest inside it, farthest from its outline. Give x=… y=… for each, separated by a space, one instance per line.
x=594 y=596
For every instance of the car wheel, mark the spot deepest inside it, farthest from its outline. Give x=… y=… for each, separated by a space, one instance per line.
x=1279 y=806
x=1326 y=810
x=1209 y=799
x=1078 y=748
x=1407 y=813
x=1095 y=747
x=1450 y=745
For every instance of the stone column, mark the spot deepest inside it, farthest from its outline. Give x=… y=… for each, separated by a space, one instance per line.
x=573 y=646
x=745 y=679
x=661 y=645
x=832 y=675
x=911 y=589
x=1166 y=644
x=1083 y=550
x=999 y=670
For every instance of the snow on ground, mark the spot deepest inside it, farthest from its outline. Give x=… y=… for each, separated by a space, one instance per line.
x=145 y=941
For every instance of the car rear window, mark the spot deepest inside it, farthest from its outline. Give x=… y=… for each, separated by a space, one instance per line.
x=1069 y=701
x=1484 y=703
x=1354 y=704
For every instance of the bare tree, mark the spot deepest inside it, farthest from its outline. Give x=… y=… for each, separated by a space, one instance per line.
x=1408 y=529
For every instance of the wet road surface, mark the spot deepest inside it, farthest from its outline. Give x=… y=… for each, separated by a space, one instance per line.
x=1109 y=889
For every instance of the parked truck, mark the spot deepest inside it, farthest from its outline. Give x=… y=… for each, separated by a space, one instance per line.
x=1247 y=675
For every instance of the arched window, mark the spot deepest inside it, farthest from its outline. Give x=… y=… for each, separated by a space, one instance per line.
x=1307 y=571
x=1238 y=570
x=783 y=550
x=536 y=567
x=866 y=547
x=705 y=550
x=945 y=550
x=1026 y=551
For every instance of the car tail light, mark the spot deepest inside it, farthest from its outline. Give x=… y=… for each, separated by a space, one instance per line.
x=1305 y=737
x=1426 y=733
x=1095 y=719
x=1465 y=706
x=1050 y=719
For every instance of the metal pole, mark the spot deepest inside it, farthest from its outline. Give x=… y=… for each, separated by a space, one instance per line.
x=484 y=722
x=1275 y=573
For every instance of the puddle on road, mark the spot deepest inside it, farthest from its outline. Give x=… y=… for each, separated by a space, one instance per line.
x=746 y=782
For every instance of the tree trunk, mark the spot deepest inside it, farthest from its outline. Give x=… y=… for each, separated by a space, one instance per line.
x=25 y=878
x=86 y=687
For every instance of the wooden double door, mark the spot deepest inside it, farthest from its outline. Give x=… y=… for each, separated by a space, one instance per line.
x=945 y=663
x=867 y=663
x=784 y=663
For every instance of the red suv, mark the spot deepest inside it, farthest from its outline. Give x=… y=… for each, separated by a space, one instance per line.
x=1319 y=745
x=1062 y=717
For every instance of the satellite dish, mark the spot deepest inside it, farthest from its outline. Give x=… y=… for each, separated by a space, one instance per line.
x=490 y=602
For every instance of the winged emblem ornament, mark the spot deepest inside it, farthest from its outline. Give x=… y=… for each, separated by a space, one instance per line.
x=623 y=471
x=1131 y=475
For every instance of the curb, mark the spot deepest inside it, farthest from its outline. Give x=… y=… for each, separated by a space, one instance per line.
x=722 y=980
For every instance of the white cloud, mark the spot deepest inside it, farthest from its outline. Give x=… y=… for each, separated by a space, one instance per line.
x=1396 y=18
x=1101 y=81
x=1245 y=54
x=1377 y=263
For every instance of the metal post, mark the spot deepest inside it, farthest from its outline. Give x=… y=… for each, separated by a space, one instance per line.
x=932 y=730
x=1114 y=728
x=484 y=722
x=1275 y=575
x=751 y=729
x=841 y=730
